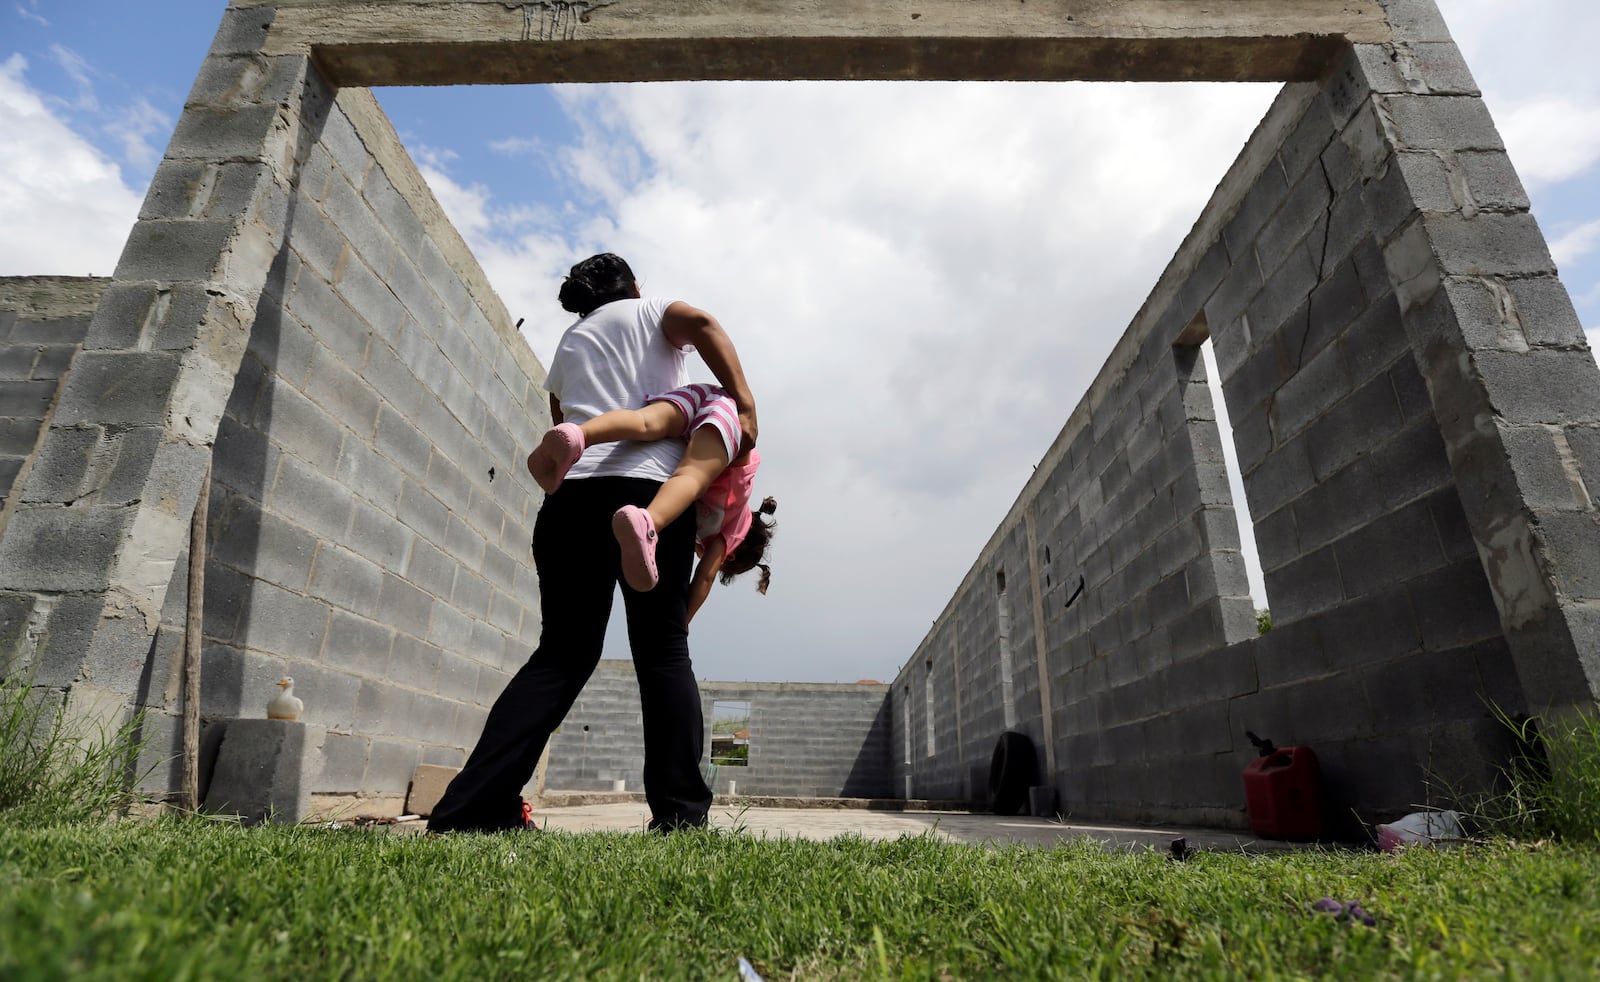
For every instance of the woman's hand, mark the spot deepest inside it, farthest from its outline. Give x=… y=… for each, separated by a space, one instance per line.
x=747 y=423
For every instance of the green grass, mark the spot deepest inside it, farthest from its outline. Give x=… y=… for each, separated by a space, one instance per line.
x=188 y=899
x=53 y=770
x=1553 y=783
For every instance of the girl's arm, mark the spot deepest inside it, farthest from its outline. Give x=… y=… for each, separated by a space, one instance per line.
x=556 y=419
x=706 y=573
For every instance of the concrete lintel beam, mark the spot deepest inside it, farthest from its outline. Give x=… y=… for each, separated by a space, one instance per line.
x=823 y=59
x=474 y=42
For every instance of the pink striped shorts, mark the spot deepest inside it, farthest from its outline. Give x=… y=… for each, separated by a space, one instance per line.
x=706 y=405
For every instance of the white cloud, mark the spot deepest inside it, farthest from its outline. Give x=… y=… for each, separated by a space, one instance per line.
x=30 y=11
x=922 y=279
x=1552 y=139
x=78 y=70
x=1539 y=78
x=63 y=202
x=515 y=146
x=134 y=126
x=1575 y=243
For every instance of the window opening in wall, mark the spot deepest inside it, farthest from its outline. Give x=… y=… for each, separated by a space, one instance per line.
x=927 y=694
x=1008 y=685
x=1241 y=505
x=730 y=734
x=905 y=725
x=905 y=719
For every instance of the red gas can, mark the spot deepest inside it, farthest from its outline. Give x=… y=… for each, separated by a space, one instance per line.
x=1283 y=792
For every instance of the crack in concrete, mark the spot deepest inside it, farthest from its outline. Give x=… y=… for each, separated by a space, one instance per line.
x=554 y=20
x=1305 y=334
x=1322 y=259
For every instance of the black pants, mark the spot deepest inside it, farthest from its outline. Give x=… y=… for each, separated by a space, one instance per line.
x=578 y=564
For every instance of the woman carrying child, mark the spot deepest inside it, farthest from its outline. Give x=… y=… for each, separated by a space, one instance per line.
x=623 y=348
x=713 y=476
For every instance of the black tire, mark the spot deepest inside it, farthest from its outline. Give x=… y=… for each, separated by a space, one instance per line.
x=1013 y=769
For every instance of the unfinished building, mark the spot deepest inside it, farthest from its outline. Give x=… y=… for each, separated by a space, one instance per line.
x=1416 y=411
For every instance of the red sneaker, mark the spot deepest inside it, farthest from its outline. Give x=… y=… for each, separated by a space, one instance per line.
x=527 y=817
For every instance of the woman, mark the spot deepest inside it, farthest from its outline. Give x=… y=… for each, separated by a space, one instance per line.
x=623 y=349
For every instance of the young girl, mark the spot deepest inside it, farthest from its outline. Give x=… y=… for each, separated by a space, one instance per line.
x=731 y=538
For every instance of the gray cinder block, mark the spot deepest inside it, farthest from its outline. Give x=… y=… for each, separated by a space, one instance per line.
x=349 y=213
x=129 y=388
x=265 y=771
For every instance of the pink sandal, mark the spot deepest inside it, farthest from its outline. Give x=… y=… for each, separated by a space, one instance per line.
x=555 y=455
x=636 y=534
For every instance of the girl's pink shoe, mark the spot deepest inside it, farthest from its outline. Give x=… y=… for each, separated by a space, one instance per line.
x=555 y=455
x=636 y=534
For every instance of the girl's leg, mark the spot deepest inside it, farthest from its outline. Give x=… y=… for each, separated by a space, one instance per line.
x=702 y=461
x=636 y=528
x=560 y=447
x=657 y=421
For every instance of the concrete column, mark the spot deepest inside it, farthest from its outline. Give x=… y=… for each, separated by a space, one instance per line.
x=961 y=739
x=89 y=552
x=1513 y=383
x=1040 y=649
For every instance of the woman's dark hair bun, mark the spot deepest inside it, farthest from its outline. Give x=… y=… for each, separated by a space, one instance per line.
x=595 y=282
x=769 y=505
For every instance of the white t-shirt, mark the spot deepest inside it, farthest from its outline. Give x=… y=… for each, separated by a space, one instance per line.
x=614 y=359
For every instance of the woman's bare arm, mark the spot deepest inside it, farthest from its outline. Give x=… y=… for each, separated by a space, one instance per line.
x=685 y=325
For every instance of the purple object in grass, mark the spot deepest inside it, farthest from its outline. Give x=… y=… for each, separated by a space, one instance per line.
x=1352 y=911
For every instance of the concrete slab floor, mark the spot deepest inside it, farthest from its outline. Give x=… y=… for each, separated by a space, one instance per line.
x=828 y=823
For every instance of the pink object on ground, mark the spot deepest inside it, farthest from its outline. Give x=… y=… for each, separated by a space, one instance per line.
x=557 y=452
x=636 y=535
x=1431 y=828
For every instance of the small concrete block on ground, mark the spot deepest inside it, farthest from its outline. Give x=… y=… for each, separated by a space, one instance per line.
x=428 y=782
x=265 y=771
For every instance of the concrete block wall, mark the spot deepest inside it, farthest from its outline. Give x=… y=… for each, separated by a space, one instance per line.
x=806 y=739
x=1386 y=649
x=43 y=320
x=968 y=697
x=1381 y=307
x=1131 y=502
x=1497 y=342
x=103 y=511
x=294 y=311
x=809 y=739
x=369 y=514
x=602 y=739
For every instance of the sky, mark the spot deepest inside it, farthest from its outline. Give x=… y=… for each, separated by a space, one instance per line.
x=921 y=278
